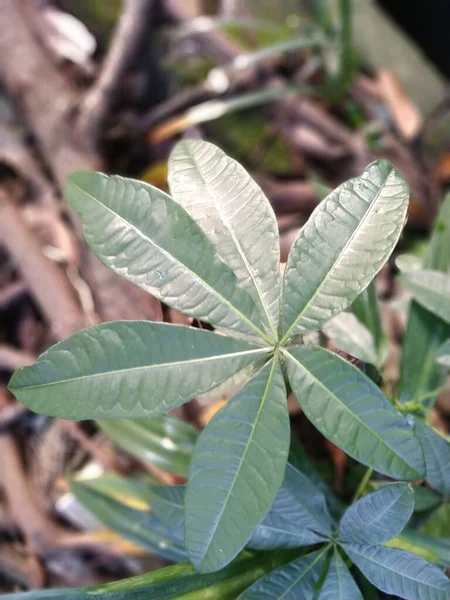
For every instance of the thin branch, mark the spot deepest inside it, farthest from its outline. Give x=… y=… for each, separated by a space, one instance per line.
x=127 y=40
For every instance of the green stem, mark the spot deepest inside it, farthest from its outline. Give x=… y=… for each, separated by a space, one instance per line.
x=362 y=485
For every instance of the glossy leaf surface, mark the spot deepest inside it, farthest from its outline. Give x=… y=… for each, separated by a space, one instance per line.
x=339 y=583
x=379 y=516
x=237 y=468
x=236 y=216
x=343 y=245
x=142 y=234
x=127 y=369
x=353 y=413
x=400 y=573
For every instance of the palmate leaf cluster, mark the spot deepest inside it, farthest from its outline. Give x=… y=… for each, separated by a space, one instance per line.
x=211 y=251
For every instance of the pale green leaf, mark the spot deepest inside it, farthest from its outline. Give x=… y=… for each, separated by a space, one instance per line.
x=424 y=498
x=237 y=468
x=339 y=583
x=298 y=579
x=346 y=241
x=436 y=450
x=379 y=516
x=348 y=333
x=167 y=502
x=236 y=216
x=400 y=573
x=148 y=238
x=431 y=289
x=443 y=354
x=129 y=369
x=353 y=413
x=298 y=517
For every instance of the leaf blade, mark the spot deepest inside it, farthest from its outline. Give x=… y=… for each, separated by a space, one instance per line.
x=254 y=431
x=339 y=583
x=431 y=289
x=436 y=450
x=379 y=516
x=349 y=334
x=132 y=375
x=334 y=396
x=143 y=235
x=344 y=244
x=235 y=215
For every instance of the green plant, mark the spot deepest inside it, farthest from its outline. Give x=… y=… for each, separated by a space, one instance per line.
x=212 y=252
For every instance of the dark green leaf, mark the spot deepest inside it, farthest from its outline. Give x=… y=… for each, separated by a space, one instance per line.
x=379 y=516
x=127 y=369
x=353 y=413
x=237 y=468
x=438 y=524
x=367 y=310
x=400 y=573
x=148 y=238
x=167 y=502
x=339 y=583
x=346 y=241
x=443 y=354
x=236 y=216
x=436 y=450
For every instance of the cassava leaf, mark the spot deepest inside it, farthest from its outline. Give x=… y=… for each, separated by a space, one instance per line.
x=339 y=583
x=353 y=413
x=298 y=579
x=235 y=215
x=431 y=289
x=438 y=523
x=367 y=311
x=142 y=234
x=167 y=502
x=379 y=516
x=443 y=354
x=298 y=517
x=400 y=573
x=436 y=450
x=237 y=468
x=349 y=334
x=346 y=241
x=129 y=369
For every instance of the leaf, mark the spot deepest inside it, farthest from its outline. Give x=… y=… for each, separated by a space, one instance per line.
x=353 y=413
x=162 y=441
x=298 y=579
x=235 y=215
x=431 y=289
x=400 y=573
x=425 y=499
x=142 y=234
x=436 y=450
x=351 y=336
x=439 y=548
x=298 y=517
x=438 y=524
x=237 y=468
x=420 y=376
x=129 y=369
x=167 y=502
x=344 y=244
x=367 y=311
x=141 y=527
x=339 y=583
x=443 y=354
x=379 y=516
x=177 y=582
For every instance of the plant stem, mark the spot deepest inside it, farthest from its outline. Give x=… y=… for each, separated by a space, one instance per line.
x=362 y=485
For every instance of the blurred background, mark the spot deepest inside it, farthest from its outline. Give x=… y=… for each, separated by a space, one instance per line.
x=304 y=93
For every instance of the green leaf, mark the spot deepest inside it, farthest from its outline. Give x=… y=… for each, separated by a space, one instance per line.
x=400 y=573
x=162 y=441
x=141 y=527
x=177 y=582
x=443 y=354
x=142 y=234
x=129 y=369
x=425 y=499
x=351 y=336
x=298 y=579
x=438 y=548
x=436 y=450
x=353 y=413
x=237 y=468
x=379 y=516
x=346 y=241
x=298 y=517
x=367 y=311
x=431 y=289
x=438 y=524
x=167 y=502
x=339 y=583
x=236 y=216
x=420 y=376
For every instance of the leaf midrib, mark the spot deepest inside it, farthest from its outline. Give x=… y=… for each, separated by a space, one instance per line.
x=177 y=262
x=238 y=246
x=329 y=392
x=305 y=572
x=145 y=367
x=327 y=276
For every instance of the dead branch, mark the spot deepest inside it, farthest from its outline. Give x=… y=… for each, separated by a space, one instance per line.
x=126 y=42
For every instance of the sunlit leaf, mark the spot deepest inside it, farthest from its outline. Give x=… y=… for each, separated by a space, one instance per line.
x=351 y=336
